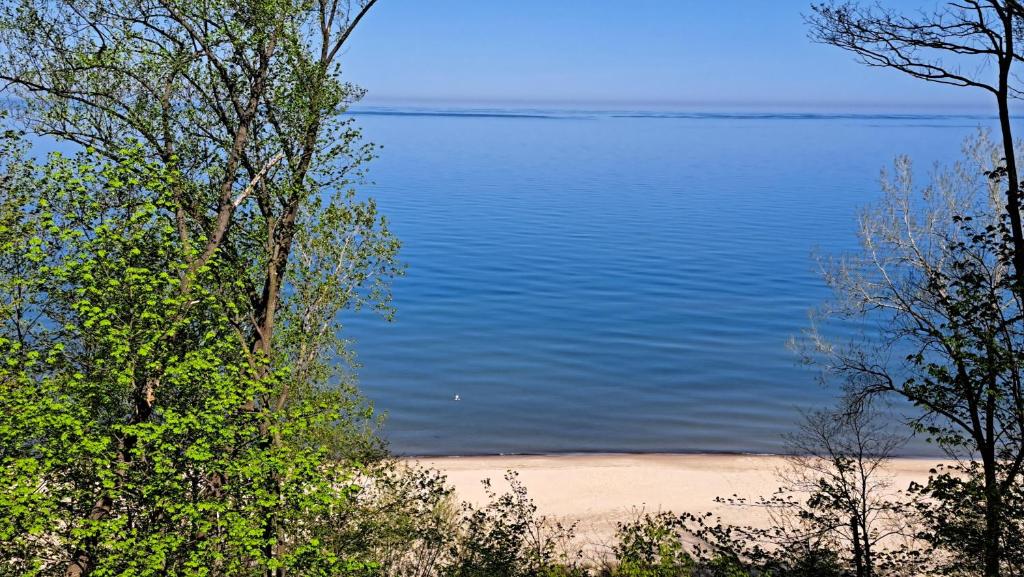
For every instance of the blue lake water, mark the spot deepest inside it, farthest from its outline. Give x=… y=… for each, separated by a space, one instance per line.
x=614 y=282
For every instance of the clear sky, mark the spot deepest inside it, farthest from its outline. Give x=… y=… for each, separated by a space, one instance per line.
x=654 y=53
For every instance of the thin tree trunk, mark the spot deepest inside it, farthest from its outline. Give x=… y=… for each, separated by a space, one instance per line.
x=993 y=500
x=1012 y=193
x=1006 y=130
x=858 y=554
x=869 y=569
x=993 y=516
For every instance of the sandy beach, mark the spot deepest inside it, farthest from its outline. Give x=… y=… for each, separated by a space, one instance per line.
x=599 y=491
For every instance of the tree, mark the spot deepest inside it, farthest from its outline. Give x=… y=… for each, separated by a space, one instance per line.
x=91 y=271
x=835 y=512
x=237 y=99
x=971 y=43
x=951 y=509
x=93 y=306
x=934 y=280
x=228 y=118
x=838 y=458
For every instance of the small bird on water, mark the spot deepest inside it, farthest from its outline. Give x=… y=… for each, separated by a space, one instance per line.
x=457 y=398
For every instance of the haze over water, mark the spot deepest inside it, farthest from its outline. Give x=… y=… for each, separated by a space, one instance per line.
x=615 y=282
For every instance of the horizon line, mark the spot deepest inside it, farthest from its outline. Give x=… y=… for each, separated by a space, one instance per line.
x=615 y=103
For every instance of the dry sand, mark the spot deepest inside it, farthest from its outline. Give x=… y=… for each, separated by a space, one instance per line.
x=600 y=490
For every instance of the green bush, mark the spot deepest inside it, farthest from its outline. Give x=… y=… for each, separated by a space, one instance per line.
x=651 y=547
x=506 y=538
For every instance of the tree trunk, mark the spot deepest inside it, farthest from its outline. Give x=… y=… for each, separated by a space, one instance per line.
x=82 y=561
x=1012 y=193
x=869 y=569
x=858 y=553
x=1006 y=130
x=993 y=516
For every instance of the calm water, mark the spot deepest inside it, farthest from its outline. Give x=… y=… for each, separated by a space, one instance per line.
x=614 y=282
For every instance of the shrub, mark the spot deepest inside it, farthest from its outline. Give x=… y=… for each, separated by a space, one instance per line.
x=506 y=538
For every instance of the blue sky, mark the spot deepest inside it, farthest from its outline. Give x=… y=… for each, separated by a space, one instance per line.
x=650 y=53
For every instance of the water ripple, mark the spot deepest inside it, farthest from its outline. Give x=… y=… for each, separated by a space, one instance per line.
x=627 y=283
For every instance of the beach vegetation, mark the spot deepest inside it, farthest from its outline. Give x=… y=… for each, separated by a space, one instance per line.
x=507 y=538
x=835 y=514
x=650 y=546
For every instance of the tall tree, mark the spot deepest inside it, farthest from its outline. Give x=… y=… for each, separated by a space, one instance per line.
x=839 y=458
x=969 y=43
x=975 y=44
x=934 y=276
x=243 y=103
x=93 y=317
